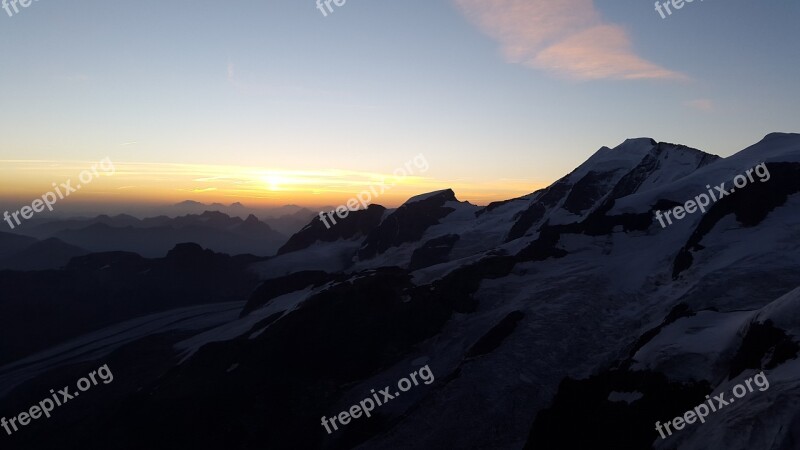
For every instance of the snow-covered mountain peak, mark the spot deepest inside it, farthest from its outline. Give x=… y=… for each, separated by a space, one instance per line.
x=622 y=157
x=444 y=194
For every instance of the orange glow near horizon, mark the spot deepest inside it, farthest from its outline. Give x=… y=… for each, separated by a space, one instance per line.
x=151 y=183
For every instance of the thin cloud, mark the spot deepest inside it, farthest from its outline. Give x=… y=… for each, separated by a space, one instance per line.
x=564 y=37
x=701 y=104
x=249 y=83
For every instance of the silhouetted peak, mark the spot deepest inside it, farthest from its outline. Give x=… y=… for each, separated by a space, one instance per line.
x=186 y=250
x=438 y=197
x=215 y=215
x=189 y=203
x=642 y=141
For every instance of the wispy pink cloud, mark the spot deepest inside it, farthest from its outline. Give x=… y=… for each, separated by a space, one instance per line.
x=701 y=104
x=565 y=37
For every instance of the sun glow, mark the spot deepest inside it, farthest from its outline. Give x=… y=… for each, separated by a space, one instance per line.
x=274 y=181
x=172 y=183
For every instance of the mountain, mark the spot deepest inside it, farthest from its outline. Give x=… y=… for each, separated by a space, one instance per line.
x=285 y=210
x=290 y=224
x=155 y=236
x=13 y=243
x=566 y=318
x=274 y=215
x=190 y=203
x=44 y=229
x=356 y=224
x=100 y=289
x=50 y=253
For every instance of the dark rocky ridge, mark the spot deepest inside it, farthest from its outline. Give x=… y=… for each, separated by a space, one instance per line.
x=407 y=224
x=750 y=206
x=357 y=223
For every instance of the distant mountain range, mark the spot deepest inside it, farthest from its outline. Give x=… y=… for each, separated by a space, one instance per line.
x=287 y=219
x=565 y=318
x=155 y=236
x=25 y=253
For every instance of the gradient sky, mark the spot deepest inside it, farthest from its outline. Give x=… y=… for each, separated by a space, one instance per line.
x=270 y=102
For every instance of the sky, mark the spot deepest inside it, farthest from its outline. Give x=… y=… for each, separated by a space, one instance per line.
x=270 y=102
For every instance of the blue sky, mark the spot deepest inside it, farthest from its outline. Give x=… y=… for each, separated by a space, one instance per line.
x=510 y=94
